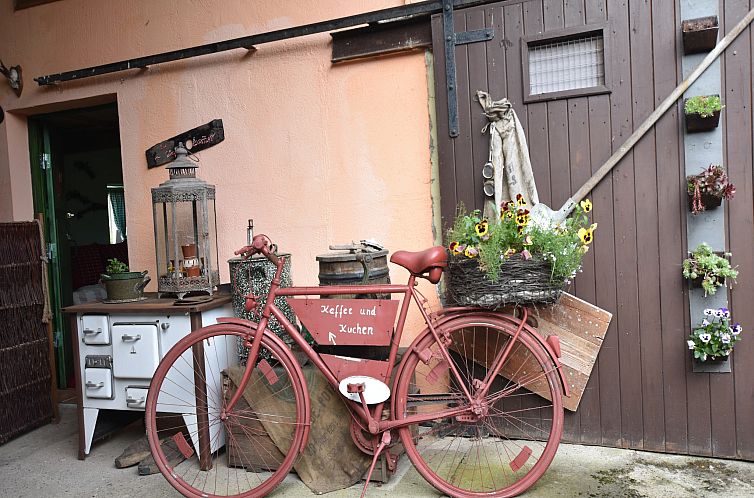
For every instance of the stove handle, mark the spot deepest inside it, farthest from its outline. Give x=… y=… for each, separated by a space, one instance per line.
x=129 y=337
x=95 y=385
x=92 y=332
x=135 y=401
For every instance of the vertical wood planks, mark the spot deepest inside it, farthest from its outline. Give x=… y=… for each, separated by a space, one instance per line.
x=477 y=77
x=647 y=236
x=671 y=213
x=737 y=84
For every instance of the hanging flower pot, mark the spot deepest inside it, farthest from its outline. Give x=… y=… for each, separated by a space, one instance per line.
x=699 y=35
x=702 y=113
x=707 y=189
x=711 y=342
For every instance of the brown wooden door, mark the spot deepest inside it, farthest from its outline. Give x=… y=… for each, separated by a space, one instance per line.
x=642 y=393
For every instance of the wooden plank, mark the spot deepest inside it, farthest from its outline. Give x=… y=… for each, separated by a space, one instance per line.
x=647 y=237
x=537 y=115
x=151 y=305
x=447 y=174
x=463 y=151
x=200 y=138
x=514 y=29
x=381 y=39
x=594 y=11
x=496 y=51
x=738 y=122
x=671 y=212
x=573 y=11
x=477 y=77
x=581 y=329
x=560 y=177
x=628 y=356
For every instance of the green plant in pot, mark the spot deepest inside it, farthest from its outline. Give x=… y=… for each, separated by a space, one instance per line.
x=122 y=284
x=702 y=112
x=512 y=261
x=715 y=337
x=707 y=269
x=707 y=189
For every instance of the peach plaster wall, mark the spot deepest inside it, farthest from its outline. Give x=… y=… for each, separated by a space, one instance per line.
x=317 y=154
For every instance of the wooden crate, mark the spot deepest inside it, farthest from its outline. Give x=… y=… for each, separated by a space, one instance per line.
x=581 y=328
x=250 y=447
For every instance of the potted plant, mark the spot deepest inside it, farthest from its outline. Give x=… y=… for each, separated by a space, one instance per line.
x=511 y=261
x=702 y=112
x=707 y=269
x=707 y=189
x=699 y=35
x=713 y=340
x=121 y=284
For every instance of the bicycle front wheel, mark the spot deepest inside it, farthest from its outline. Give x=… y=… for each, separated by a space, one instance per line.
x=507 y=438
x=202 y=448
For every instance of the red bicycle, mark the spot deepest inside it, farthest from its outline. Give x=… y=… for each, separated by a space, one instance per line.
x=475 y=401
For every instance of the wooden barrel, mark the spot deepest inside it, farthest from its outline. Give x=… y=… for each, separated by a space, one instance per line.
x=363 y=263
x=354 y=264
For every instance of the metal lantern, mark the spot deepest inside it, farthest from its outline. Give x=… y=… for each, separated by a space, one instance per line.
x=185 y=230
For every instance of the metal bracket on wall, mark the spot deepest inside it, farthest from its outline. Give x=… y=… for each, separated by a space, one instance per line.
x=451 y=39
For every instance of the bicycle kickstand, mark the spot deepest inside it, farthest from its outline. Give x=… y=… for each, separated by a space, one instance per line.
x=384 y=442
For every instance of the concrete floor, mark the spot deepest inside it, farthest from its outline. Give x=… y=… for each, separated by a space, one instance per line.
x=43 y=464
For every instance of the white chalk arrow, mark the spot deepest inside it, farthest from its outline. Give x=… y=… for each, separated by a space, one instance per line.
x=331 y=338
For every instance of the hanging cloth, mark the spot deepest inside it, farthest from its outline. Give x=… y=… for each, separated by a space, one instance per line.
x=509 y=156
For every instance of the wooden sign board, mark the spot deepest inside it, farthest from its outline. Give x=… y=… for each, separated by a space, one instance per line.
x=200 y=138
x=581 y=328
x=347 y=322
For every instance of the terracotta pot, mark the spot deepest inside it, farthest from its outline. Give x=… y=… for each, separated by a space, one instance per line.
x=189 y=251
x=193 y=271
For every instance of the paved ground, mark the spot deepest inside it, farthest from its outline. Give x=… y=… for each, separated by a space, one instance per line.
x=43 y=464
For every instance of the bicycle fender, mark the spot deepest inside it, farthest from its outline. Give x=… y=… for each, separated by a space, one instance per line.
x=297 y=368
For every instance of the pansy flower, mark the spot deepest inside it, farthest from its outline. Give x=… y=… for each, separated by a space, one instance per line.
x=587 y=234
x=506 y=210
x=584 y=249
x=586 y=205
x=725 y=312
x=509 y=252
x=526 y=254
x=709 y=312
x=705 y=323
x=471 y=252
x=455 y=248
x=705 y=338
x=737 y=329
x=482 y=228
x=520 y=201
x=528 y=241
x=522 y=217
x=725 y=338
x=691 y=344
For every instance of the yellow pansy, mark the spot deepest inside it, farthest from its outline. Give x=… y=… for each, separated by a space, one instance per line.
x=482 y=228
x=586 y=205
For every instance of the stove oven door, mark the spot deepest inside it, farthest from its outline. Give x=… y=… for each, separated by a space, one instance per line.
x=136 y=351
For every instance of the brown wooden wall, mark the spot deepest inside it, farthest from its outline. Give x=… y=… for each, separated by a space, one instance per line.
x=642 y=393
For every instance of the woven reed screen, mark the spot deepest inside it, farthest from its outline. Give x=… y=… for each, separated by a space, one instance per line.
x=25 y=376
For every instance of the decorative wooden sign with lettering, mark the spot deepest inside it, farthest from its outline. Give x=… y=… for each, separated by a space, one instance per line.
x=200 y=138
x=347 y=322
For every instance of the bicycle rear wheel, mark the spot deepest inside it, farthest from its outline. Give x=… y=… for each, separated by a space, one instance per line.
x=201 y=448
x=509 y=439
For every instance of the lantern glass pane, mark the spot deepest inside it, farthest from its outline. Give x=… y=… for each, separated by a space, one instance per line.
x=161 y=234
x=212 y=231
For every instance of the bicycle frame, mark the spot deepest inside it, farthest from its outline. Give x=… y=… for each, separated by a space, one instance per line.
x=372 y=420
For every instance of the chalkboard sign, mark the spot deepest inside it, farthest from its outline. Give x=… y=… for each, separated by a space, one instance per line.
x=200 y=138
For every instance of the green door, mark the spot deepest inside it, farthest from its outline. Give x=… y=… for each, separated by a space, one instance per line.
x=46 y=193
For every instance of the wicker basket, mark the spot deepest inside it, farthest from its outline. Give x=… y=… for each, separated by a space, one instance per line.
x=520 y=282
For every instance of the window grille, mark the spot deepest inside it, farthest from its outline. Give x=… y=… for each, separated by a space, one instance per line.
x=567 y=65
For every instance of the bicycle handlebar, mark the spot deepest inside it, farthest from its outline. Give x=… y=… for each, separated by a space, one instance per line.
x=261 y=244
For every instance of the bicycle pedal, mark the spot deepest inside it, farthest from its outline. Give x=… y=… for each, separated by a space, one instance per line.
x=374 y=390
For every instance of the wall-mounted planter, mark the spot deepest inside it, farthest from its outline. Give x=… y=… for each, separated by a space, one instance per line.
x=699 y=35
x=709 y=202
x=696 y=122
x=720 y=365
